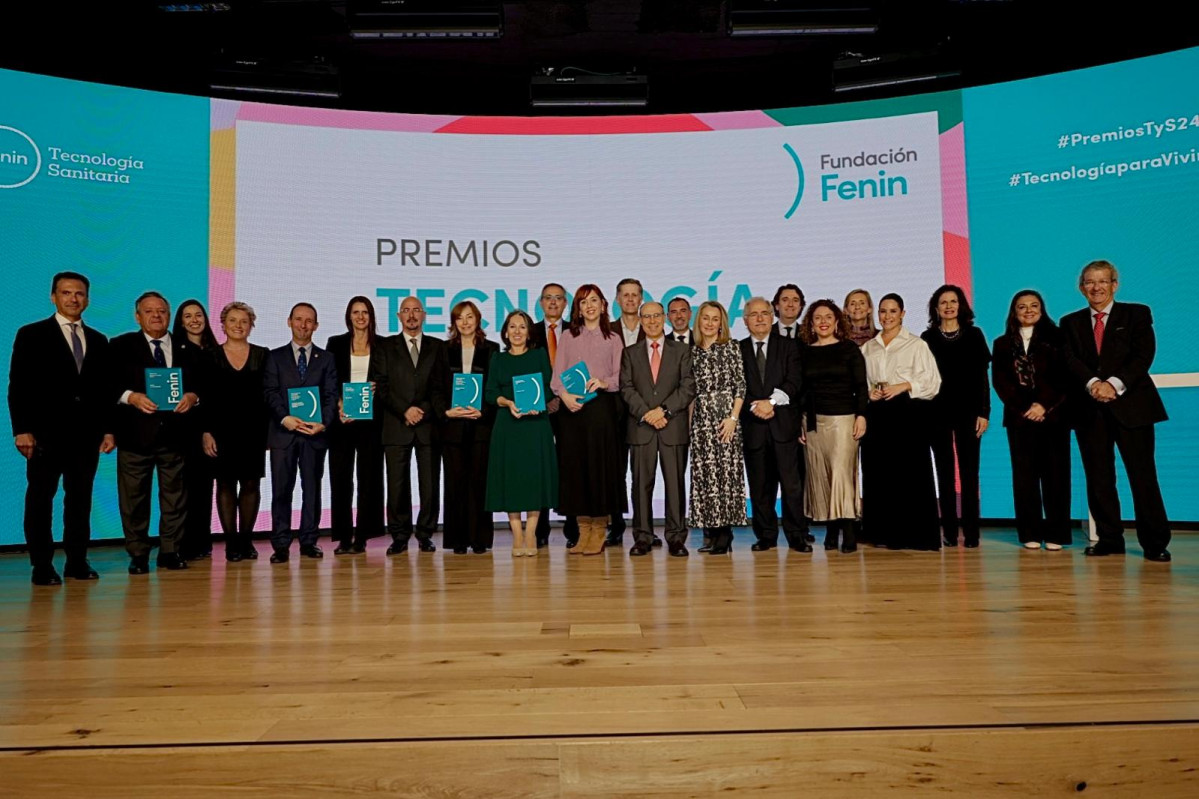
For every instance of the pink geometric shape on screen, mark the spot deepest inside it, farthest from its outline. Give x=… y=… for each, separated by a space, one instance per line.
x=223 y=113
x=953 y=181
x=220 y=294
x=334 y=118
x=739 y=120
x=575 y=126
x=957 y=262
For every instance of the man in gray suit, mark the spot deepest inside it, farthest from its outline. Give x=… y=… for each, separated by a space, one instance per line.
x=657 y=386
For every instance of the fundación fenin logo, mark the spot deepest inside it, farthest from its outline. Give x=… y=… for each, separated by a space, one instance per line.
x=21 y=161
x=841 y=179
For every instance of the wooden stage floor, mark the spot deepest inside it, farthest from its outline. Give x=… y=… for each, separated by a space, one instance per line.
x=995 y=671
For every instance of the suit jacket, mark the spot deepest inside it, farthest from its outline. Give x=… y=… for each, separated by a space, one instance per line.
x=339 y=347
x=674 y=391
x=280 y=375
x=777 y=327
x=1128 y=349
x=690 y=342
x=1049 y=378
x=48 y=397
x=537 y=336
x=459 y=430
x=130 y=356
x=783 y=371
x=399 y=386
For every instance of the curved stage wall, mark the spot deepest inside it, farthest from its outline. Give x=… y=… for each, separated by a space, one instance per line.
x=997 y=188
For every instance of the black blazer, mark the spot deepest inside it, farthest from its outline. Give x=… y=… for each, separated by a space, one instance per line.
x=339 y=347
x=1128 y=349
x=464 y=430
x=130 y=355
x=399 y=386
x=1049 y=378
x=281 y=374
x=783 y=371
x=48 y=397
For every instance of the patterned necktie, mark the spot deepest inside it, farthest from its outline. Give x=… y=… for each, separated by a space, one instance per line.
x=413 y=351
x=160 y=359
x=552 y=341
x=655 y=361
x=1099 y=331
x=761 y=361
x=77 y=346
x=302 y=364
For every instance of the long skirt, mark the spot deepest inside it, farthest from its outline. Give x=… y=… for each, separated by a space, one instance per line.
x=592 y=458
x=832 y=474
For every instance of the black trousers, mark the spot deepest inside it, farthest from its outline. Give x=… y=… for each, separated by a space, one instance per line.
x=135 y=479
x=467 y=523
x=1096 y=438
x=399 y=490
x=75 y=465
x=310 y=460
x=355 y=450
x=200 y=475
x=775 y=464
x=956 y=449
x=1041 y=481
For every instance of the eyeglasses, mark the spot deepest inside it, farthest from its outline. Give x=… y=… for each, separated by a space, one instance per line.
x=658 y=315
x=1088 y=284
x=559 y=297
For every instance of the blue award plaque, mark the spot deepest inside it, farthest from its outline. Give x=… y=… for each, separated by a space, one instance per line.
x=304 y=403
x=528 y=393
x=575 y=380
x=164 y=387
x=468 y=390
x=357 y=401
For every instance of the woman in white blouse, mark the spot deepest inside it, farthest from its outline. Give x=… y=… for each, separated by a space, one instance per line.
x=898 y=488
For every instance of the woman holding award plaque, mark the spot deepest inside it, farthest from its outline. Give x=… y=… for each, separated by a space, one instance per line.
x=191 y=331
x=590 y=418
x=522 y=465
x=900 y=497
x=466 y=433
x=353 y=438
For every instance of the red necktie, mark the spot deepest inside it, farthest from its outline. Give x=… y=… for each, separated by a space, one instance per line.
x=1099 y=331
x=552 y=341
x=655 y=361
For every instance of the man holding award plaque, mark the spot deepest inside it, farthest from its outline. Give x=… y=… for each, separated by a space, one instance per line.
x=301 y=388
x=153 y=429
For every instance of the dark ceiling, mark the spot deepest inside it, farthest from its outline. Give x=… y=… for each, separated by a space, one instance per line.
x=682 y=46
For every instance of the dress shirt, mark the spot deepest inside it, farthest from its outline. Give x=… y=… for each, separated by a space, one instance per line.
x=630 y=336
x=686 y=336
x=295 y=352
x=166 y=353
x=649 y=346
x=790 y=331
x=1116 y=382
x=907 y=359
x=65 y=324
x=778 y=397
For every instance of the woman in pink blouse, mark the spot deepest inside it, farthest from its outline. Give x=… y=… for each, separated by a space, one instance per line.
x=590 y=444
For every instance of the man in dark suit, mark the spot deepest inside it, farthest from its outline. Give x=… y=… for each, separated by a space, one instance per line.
x=411 y=373
x=657 y=386
x=546 y=334
x=788 y=306
x=1109 y=349
x=293 y=441
x=770 y=426
x=679 y=311
x=150 y=439
x=60 y=404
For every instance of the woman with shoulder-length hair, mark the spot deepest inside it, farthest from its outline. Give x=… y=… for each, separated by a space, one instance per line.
x=961 y=409
x=235 y=422
x=192 y=332
x=834 y=378
x=716 y=457
x=859 y=315
x=900 y=495
x=1031 y=380
x=355 y=445
x=590 y=433
x=522 y=464
x=465 y=435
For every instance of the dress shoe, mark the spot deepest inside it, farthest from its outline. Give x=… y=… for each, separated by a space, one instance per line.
x=949 y=542
x=81 y=570
x=45 y=575
x=344 y=549
x=761 y=546
x=479 y=550
x=280 y=556
x=171 y=562
x=542 y=543
x=139 y=565
x=971 y=544
x=706 y=548
x=572 y=544
x=425 y=545
x=657 y=542
x=638 y=550
x=801 y=547
x=829 y=546
x=312 y=551
x=249 y=552
x=811 y=539
x=848 y=548
x=234 y=555
x=1158 y=557
x=613 y=540
x=397 y=548
x=718 y=550
x=679 y=551
x=358 y=547
x=1100 y=549
x=1032 y=544
x=1052 y=547
x=461 y=550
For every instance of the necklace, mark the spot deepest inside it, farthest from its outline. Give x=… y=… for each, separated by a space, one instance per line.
x=951 y=336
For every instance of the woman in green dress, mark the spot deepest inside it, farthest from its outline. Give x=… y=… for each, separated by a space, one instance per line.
x=522 y=465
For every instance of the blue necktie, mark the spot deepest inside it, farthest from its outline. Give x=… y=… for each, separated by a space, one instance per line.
x=302 y=364
x=159 y=358
x=77 y=346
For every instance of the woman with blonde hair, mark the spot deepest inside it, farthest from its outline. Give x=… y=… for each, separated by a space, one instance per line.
x=859 y=312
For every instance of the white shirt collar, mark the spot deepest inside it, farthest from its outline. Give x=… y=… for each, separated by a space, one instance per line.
x=295 y=349
x=63 y=321
x=165 y=338
x=1107 y=310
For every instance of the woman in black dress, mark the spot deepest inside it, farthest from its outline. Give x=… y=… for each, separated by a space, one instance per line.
x=235 y=424
x=191 y=331
x=1031 y=380
x=960 y=411
x=355 y=439
x=465 y=435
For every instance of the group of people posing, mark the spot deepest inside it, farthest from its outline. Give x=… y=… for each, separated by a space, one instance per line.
x=793 y=406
